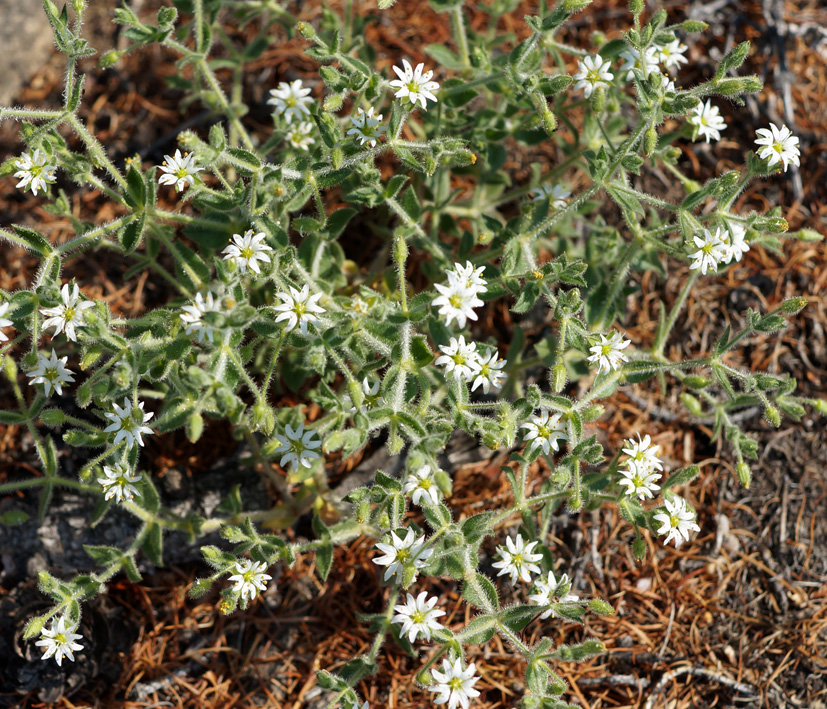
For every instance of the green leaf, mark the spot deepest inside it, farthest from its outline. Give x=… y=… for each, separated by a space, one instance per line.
x=444 y=56
x=477 y=527
x=35 y=241
x=479 y=631
x=681 y=477
x=480 y=592
x=154 y=544
x=243 y=160
x=324 y=560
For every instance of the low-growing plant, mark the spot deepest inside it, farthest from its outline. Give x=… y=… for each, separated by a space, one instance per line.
x=264 y=296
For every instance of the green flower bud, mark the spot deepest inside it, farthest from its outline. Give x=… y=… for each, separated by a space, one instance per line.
x=200 y=587
x=744 y=474
x=10 y=367
x=597 y=100
x=549 y=122
x=52 y=417
x=635 y=6
x=333 y=103
x=696 y=381
x=773 y=416
x=195 y=427
x=795 y=305
x=592 y=413
x=573 y=6
x=693 y=26
x=109 y=59
x=306 y=30
x=443 y=482
x=384 y=520
x=485 y=238
x=599 y=606
x=819 y=405
x=650 y=141
x=34 y=626
x=692 y=404
x=558 y=378
x=729 y=179
x=424 y=678
x=337 y=157
x=671 y=154
x=809 y=236
x=639 y=548
x=363 y=511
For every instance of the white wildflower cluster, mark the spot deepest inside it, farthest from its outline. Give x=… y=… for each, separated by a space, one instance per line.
x=720 y=247
x=465 y=363
x=609 y=353
x=458 y=298
x=407 y=553
x=642 y=466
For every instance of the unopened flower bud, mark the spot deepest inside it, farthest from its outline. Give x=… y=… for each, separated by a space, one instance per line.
x=639 y=549
x=635 y=6
x=671 y=154
x=424 y=678
x=650 y=141
x=362 y=511
x=576 y=5
x=729 y=179
x=693 y=406
x=744 y=474
x=693 y=26
x=485 y=238
x=306 y=30
x=489 y=440
x=195 y=427
x=384 y=520
x=443 y=482
x=597 y=100
x=599 y=606
x=549 y=122
x=592 y=413
x=109 y=59
x=52 y=417
x=791 y=306
x=558 y=378
x=333 y=103
x=696 y=381
x=773 y=416
x=819 y=405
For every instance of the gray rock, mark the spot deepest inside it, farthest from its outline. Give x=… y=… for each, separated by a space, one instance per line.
x=26 y=42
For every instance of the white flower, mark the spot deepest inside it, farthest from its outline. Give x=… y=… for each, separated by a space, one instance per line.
x=738 y=245
x=418 y=616
x=422 y=484
x=672 y=55
x=355 y=705
x=544 y=432
x=414 y=84
x=459 y=298
x=68 y=315
x=517 y=560
x=250 y=578
x=667 y=86
x=291 y=100
x=59 y=641
x=454 y=685
x=299 y=136
x=193 y=315
x=119 y=483
x=780 y=145
x=51 y=372
x=486 y=370
x=402 y=553
x=298 y=308
x=713 y=249
x=459 y=358
x=467 y=277
x=547 y=592
x=677 y=521
x=179 y=170
x=4 y=322
x=593 y=72
x=367 y=127
x=708 y=119
x=372 y=399
x=456 y=303
x=632 y=60
x=639 y=479
x=609 y=353
x=557 y=195
x=128 y=423
x=247 y=250
x=643 y=453
x=35 y=172
x=298 y=446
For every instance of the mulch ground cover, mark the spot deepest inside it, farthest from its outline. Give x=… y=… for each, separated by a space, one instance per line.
x=737 y=617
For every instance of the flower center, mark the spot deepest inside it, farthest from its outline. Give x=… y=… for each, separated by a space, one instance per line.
x=777 y=147
x=403 y=555
x=60 y=639
x=455 y=683
x=605 y=349
x=543 y=431
x=425 y=484
x=51 y=375
x=517 y=560
x=69 y=313
x=459 y=359
x=593 y=76
x=247 y=253
x=35 y=170
x=456 y=301
x=290 y=101
x=418 y=617
x=299 y=309
x=413 y=87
